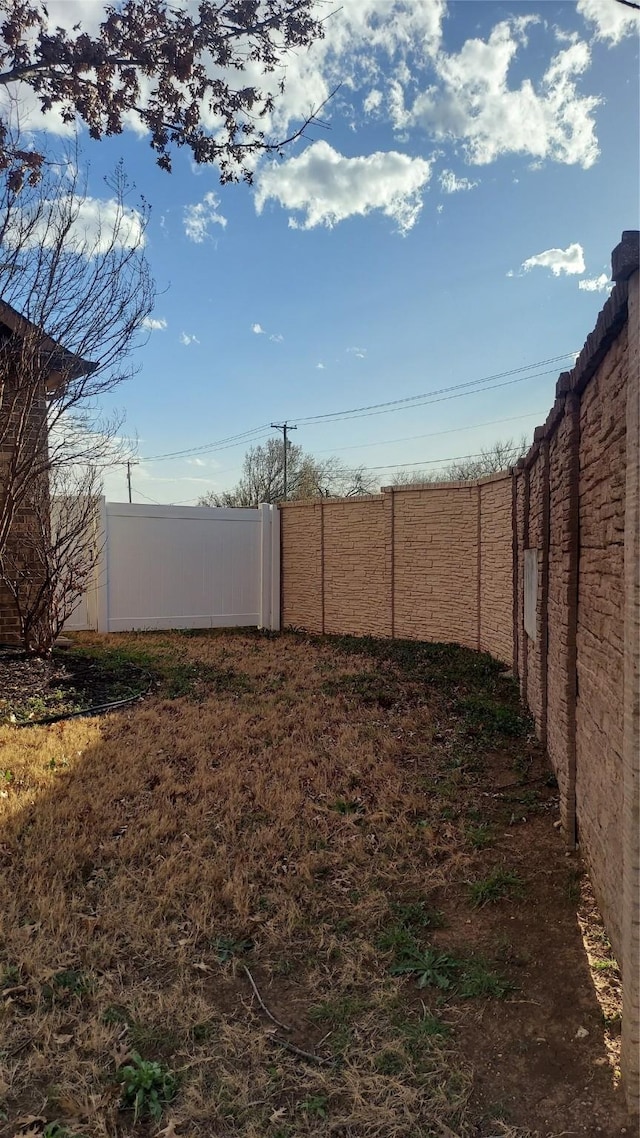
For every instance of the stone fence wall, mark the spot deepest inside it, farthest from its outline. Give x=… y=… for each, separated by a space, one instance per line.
x=539 y=566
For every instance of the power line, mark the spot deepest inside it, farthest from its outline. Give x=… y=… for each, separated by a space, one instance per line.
x=408 y=402
x=154 y=501
x=410 y=399
x=406 y=438
x=428 y=402
x=431 y=461
x=433 y=434
x=221 y=444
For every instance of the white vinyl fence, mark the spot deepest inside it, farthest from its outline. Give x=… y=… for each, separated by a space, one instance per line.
x=183 y=567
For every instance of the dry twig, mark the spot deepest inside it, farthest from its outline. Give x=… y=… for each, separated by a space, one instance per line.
x=262 y=1003
x=300 y=1053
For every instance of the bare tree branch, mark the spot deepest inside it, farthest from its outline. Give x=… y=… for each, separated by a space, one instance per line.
x=75 y=291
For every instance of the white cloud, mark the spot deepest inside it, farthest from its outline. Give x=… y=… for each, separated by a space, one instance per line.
x=96 y=225
x=359 y=353
x=186 y=339
x=328 y=187
x=200 y=217
x=153 y=324
x=596 y=284
x=613 y=21
x=277 y=338
x=196 y=462
x=372 y=102
x=452 y=185
x=474 y=103
x=361 y=36
x=320 y=367
x=258 y=329
x=569 y=260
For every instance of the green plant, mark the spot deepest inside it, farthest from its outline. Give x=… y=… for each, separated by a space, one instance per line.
x=398 y=939
x=432 y=969
x=57 y=1130
x=115 y=1014
x=69 y=982
x=480 y=836
x=417 y=914
x=316 y=1106
x=389 y=1062
x=337 y=1012
x=226 y=947
x=9 y=976
x=351 y=806
x=487 y=716
x=7 y=776
x=421 y=1031
x=147 y=1087
x=477 y=980
x=574 y=885
x=498 y=885
x=604 y=966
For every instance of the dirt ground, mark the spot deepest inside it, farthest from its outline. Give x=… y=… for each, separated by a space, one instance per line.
x=358 y=838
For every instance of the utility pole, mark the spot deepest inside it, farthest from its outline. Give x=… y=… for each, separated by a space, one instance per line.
x=285 y=428
x=130 y=463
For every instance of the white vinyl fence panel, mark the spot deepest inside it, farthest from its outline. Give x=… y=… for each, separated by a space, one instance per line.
x=185 y=567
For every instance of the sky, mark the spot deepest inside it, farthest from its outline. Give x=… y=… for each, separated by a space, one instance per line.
x=441 y=243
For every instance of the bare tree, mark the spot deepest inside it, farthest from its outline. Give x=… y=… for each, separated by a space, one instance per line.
x=187 y=76
x=75 y=291
x=52 y=566
x=490 y=460
x=307 y=477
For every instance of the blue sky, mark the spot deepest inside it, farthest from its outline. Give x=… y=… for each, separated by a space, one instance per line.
x=455 y=221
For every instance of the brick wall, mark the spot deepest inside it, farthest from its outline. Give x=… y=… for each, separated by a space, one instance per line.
x=447 y=563
x=577 y=495
x=600 y=630
x=9 y=623
x=435 y=563
x=496 y=568
x=355 y=576
x=426 y=563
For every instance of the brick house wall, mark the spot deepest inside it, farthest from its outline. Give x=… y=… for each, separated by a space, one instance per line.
x=32 y=368
x=9 y=622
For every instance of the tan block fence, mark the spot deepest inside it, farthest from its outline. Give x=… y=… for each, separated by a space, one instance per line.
x=540 y=566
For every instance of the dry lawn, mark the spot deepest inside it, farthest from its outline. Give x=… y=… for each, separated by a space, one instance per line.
x=366 y=831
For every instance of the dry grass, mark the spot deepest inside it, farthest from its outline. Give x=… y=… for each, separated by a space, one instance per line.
x=312 y=817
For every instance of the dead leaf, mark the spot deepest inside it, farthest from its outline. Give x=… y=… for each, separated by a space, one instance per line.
x=28 y=930
x=6 y=992
x=120 y=1053
x=170 y=1130
x=62 y=1038
x=30 y=1126
x=202 y=967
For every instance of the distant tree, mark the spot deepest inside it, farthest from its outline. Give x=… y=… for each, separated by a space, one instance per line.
x=262 y=478
x=490 y=460
x=187 y=75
